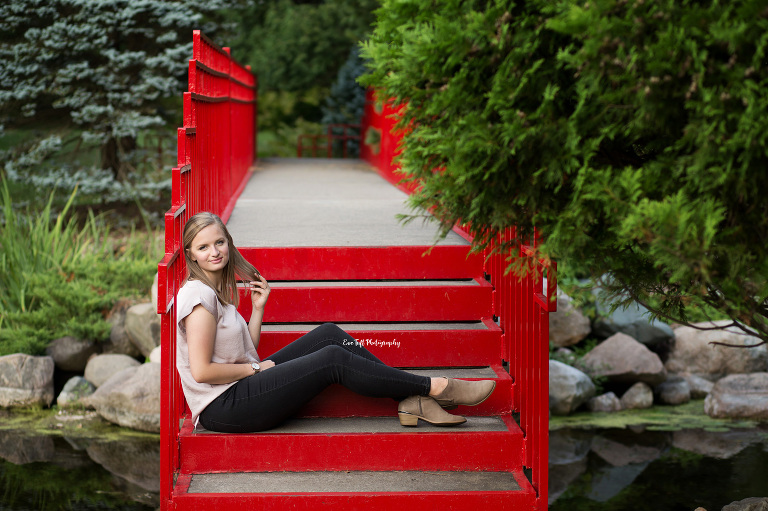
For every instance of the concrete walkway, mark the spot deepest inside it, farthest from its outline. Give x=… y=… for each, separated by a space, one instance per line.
x=291 y=202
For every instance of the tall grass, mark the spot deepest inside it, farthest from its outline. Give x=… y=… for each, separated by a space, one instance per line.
x=59 y=277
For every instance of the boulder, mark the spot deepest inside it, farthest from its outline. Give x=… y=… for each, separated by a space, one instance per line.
x=26 y=380
x=569 y=388
x=119 y=342
x=75 y=389
x=622 y=359
x=632 y=321
x=142 y=324
x=739 y=396
x=693 y=353
x=568 y=325
x=70 y=353
x=102 y=367
x=607 y=402
x=700 y=387
x=750 y=504
x=674 y=391
x=154 y=291
x=638 y=396
x=131 y=398
x=155 y=355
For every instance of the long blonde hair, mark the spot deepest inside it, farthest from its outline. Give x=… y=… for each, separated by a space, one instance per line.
x=237 y=266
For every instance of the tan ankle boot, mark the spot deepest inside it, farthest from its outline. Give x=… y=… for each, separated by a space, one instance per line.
x=464 y=392
x=425 y=408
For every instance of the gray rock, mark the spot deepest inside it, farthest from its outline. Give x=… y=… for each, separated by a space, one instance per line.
x=568 y=325
x=26 y=380
x=70 y=353
x=624 y=360
x=739 y=396
x=693 y=353
x=155 y=355
x=674 y=391
x=607 y=402
x=619 y=453
x=700 y=387
x=750 y=504
x=131 y=398
x=119 y=342
x=638 y=396
x=154 y=291
x=75 y=389
x=569 y=388
x=135 y=461
x=632 y=321
x=142 y=324
x=102 y=367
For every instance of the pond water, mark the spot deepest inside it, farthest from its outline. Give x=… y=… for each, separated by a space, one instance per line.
x=636 y=469
x=595 y=470
x=51 y=473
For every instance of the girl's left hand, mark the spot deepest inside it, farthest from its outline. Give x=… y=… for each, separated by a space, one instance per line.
x=259 y=292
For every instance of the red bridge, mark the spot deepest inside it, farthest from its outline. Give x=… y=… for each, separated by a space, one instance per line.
x=323 y=231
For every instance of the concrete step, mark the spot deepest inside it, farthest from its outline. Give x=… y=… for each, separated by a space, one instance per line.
x=337 y=401
x=359 y=443
x=430 y=490
x=403 y=344
x=376 y=301
x=365 y=263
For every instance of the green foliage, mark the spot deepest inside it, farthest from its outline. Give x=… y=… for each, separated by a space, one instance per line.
x=62 y=279
x=298 y=45
x=346 y=102
x=631 y=135
x=106 y=67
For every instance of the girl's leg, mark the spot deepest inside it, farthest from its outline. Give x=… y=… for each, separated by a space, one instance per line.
x=327 y=334
x=266 y=399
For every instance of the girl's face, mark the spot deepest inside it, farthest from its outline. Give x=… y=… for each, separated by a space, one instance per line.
x=211 y=251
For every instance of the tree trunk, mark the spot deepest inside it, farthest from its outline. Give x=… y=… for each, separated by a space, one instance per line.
x=113 y=156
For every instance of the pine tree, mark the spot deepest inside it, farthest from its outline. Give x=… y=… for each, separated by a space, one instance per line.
x=346 y=102
x=632 y=135
x=104 y=66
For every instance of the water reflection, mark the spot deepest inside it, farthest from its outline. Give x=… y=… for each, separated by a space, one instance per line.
x=651 y=470
x=55 y=473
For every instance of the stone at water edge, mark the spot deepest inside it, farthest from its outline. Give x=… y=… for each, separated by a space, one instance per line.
x=569 y=388
x=131 y=398
x=700 y=387
x=102 y=367
x=624 y=360
x=142 y=324
x=70 y=353
x=639 y=396
x=750 y=504
x=692 y=352
x=74 y=390
x=607 y=402
x=119 y=342
x=674 y=391
x=26 y=380
x=742 y=396
x=568 y=325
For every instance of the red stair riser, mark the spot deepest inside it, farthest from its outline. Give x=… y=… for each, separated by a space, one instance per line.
x=413 y=348
x=486 y=450
x=375 y=303
x=432 y=501
x=365 y=263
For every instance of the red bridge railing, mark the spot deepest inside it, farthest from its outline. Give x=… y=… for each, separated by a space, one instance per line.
x=216 y=149
x=522 y=305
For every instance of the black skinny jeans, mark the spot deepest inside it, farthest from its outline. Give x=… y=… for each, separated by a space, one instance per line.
x=302 y=370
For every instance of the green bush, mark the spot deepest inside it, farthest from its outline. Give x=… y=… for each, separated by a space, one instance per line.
x=631 y=134
x=59 y=278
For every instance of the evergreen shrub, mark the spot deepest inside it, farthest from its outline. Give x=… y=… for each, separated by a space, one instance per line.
x=631 y=134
